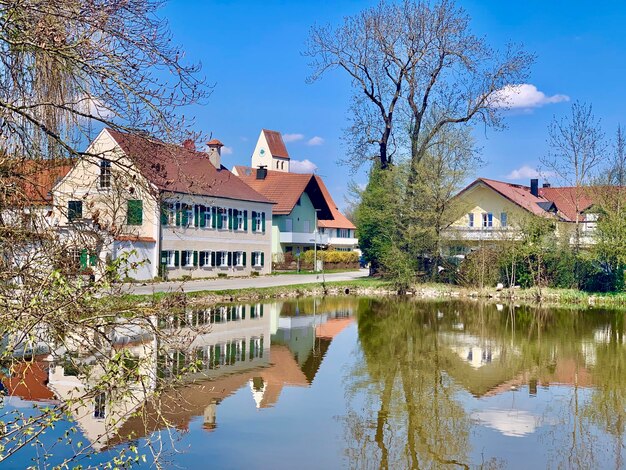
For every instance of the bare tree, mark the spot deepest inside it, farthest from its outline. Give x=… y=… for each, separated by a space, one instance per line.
x=577 y=147
x=617 y=170
x=417 y=61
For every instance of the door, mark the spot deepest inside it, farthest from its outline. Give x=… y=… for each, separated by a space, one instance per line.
x=288 y=225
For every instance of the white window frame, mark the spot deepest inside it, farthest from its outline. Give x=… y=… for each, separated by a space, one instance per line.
x=238 y=259
x=240 y=220
x=171 y=214
x=504 y=219
x=171 y=258
x=104 y=177
x=256 y=259
x=221 y=259
x=208 y=214
x=188 y=254
x=487 y=223
x=344 y=233
x=259 y=221
x=470 y=219
x=224 y=216
x=190 y=215
x=207 y=263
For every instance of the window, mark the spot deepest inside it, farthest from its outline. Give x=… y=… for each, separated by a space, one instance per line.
x=282 y=165
x=222 y=259
x=134 y=212
x=343 y=233
x=170 y=214
x=487 y=219
x=258 y=258
x=189 y=258
x=239 y=223
x=258 y=221
x=99 y=406
x=186 y=215
x=470 y=219
x=223 y=222
x=74 y=210
x=105 y=174
x=205 y=216
x=205 y=259
x=503 y=219
x=170 y=258
x=239 y=258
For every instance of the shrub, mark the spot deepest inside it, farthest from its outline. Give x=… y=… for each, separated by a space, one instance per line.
x=330 y=256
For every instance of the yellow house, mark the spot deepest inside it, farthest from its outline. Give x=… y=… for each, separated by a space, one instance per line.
x=495 y=211
x=165 y=209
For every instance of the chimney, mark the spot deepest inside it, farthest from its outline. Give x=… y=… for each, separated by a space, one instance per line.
x=261 y=172
x=546 y=185
x=534 y=187
x=215 y=152
x=189 y=144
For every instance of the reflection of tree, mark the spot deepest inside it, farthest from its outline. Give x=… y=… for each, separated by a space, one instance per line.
x=418 y=420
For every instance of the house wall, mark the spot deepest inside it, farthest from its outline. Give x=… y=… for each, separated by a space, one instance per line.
x=196 y=238
x=480 y=200
x=262 y=156
x=305 y=212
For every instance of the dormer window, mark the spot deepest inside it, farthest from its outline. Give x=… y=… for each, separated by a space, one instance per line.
x=105 y=174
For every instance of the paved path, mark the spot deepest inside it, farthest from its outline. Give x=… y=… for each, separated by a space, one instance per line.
x=235 y=283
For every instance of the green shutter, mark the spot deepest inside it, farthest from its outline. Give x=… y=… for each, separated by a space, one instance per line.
x=262 y=259
x=163 y=214
x=184 y=216
x=202 y=210
x=196 y=215
x=214 y=217
x=235 y=222
x=219 y=218
x=245 y=220
x=230 y=259
x=134 y=212
x=177 y=258
x=230 y=219
x=261 y=314
x=212 y=258
x=195 y=258
x=177 y=208
x=263 y=222
x=93 y=259
x=83 y=258
x=254 y=221
x=244 y=258
x=202 y=260
x=163 y=257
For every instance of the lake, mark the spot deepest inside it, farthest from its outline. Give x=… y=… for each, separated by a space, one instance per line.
x=347 y=383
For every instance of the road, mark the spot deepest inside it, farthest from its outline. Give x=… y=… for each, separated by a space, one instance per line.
x=238 y=283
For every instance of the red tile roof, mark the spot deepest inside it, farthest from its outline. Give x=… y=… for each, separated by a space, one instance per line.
x=36 y=178
x=339 y=220
x=215 y=142
x=564 y=198
x=180 y=170
x=567 y=198
x=278 y=186
x=276 y=143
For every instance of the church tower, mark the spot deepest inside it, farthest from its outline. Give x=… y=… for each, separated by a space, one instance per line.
x=270 y=151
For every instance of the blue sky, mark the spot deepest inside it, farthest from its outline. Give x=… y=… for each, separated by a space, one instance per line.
x=252 y=52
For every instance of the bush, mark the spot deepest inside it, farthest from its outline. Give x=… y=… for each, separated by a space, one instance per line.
x=222 y=275
x=330 y=256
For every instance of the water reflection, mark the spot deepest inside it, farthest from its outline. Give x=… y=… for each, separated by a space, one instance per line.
x=419 y=385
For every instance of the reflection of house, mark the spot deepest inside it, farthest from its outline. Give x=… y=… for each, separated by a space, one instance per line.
x=302 y=201
x=29 y=381
x=170 y=206
x=495 y=211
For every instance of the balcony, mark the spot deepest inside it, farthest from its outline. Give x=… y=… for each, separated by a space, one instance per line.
x=344 y=242
x=303 y=238
x=481 y=233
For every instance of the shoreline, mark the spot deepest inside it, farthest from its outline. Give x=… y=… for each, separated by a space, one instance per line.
x=369 y=287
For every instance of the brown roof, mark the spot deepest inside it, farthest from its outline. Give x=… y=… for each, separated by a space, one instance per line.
x=134 y=238
x=215 y=142
x=339 y=220
x=276 y=143
x=29 y=381
x=36 y=178
x=516 y=193
x=180 y=170
x=278 y=186
x=567 y=198
x=286 y=188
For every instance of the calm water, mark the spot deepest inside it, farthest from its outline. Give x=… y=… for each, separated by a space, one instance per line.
x=359 y=383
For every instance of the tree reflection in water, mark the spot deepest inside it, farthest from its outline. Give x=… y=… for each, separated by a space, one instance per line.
x=423 y=364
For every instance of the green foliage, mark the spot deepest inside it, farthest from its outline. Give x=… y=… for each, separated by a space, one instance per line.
x=330 y=256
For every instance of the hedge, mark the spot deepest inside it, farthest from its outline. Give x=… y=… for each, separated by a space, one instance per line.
x=330 y=256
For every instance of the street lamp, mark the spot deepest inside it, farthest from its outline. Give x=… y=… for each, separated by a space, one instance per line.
x=315 y=243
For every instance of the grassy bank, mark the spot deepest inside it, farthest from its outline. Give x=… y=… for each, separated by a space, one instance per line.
x=377 y=287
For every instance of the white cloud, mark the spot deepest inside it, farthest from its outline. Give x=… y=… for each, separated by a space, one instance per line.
x=523 y=96
x=315 y=141
x=292 y=137
x=302 y=166
x=525 y=172
x=227 y=150
x=512 y=423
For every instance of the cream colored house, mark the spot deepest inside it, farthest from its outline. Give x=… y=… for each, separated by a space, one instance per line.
x=164 y=209
x=496 y=211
